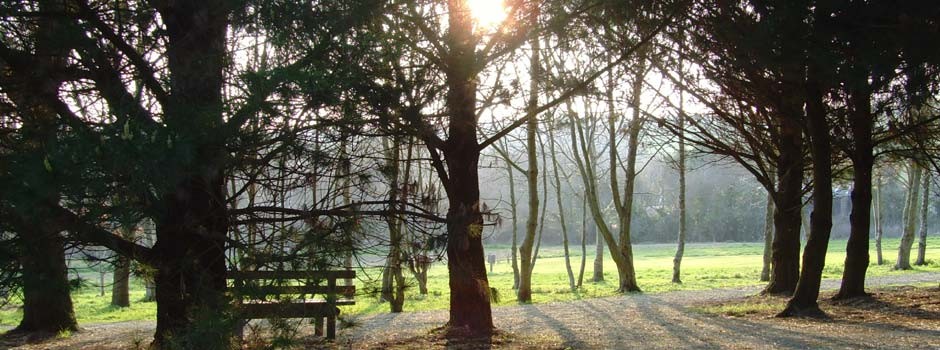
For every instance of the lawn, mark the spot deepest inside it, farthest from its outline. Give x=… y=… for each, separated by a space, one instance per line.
x=705 y=266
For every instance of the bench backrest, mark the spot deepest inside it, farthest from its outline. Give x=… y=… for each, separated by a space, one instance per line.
x=259 y=284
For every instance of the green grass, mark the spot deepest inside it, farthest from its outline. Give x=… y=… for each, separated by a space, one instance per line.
x=90 y=307
x=747 y=307
x=705 y=266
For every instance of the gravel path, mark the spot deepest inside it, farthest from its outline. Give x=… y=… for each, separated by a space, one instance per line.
x=663 y=321
x=657 y=321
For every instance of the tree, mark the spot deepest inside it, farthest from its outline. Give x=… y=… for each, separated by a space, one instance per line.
x=768 y=238
x=804 y=298
x=750 y=52
x=910 y=217
x=681 y=168
x=559 y=202
x=924 y=208
x=393 y=281
x=120 y=285
x=527 y=259
x=455 y=158
x=47 y=304
x=878 y=216
x=512 y=207
x=168 y=147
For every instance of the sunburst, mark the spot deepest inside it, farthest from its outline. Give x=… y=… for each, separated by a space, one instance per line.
x=488 y=14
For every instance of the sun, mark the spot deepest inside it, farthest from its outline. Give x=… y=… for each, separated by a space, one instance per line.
x=487 y=14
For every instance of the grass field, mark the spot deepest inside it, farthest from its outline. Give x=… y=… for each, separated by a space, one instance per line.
x=705 y=266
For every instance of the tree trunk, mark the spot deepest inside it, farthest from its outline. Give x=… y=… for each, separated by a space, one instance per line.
x=191 y=231
x=422 y=278
x=863 y=160
x=680 y=249
x=598 y=254
x=560 y=203
x=47 y=304
x=150 y=291
x=924 y=209
x=120 y=296
x=542 y=215
x=804 y=301
x=190 y=282
x=879 y=223
x=768 y=238
x=515 y=224
x=393 y=279
x=470 y=312
x=524 y=294
x=788 y=203
x=625 y=210
x=583 y=240
x=910 y=218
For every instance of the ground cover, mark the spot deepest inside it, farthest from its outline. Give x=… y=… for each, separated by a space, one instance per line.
x=705 y=266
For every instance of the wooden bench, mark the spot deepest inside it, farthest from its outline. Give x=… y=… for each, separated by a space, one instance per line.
x=291 y=294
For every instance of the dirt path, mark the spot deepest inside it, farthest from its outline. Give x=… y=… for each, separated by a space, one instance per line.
x=663 y=321
x=657 y=321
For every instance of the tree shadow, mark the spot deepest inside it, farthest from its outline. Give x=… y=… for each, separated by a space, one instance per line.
x=14 y=338
x=876 y=304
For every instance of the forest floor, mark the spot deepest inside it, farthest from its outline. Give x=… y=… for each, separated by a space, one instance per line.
x=895 y=317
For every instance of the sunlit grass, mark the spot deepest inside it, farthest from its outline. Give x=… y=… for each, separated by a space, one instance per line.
x=744 y=308
x=705 y=266
x=90 y=307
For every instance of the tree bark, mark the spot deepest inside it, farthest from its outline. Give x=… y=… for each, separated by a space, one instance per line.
x=680 y=249
x=924 y=209
x=542 y=214
x=524 y=293
x=879 y=224
x=788 y=203
x=191 y=231
x=910 y=218
x=393 y=289
x=120 y=294
x=863 y=160
x=470 y=312
x=768 y=238
x=626 y=268
x=47 y=304
x=583 y=240
x=150 y=291
x=598 y=275
x=515 y=224
x=561 y=207
x=804 y=300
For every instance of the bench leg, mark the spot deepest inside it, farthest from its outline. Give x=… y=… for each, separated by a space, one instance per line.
x=240 y=329
x=318 y=326
x=331 y=327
